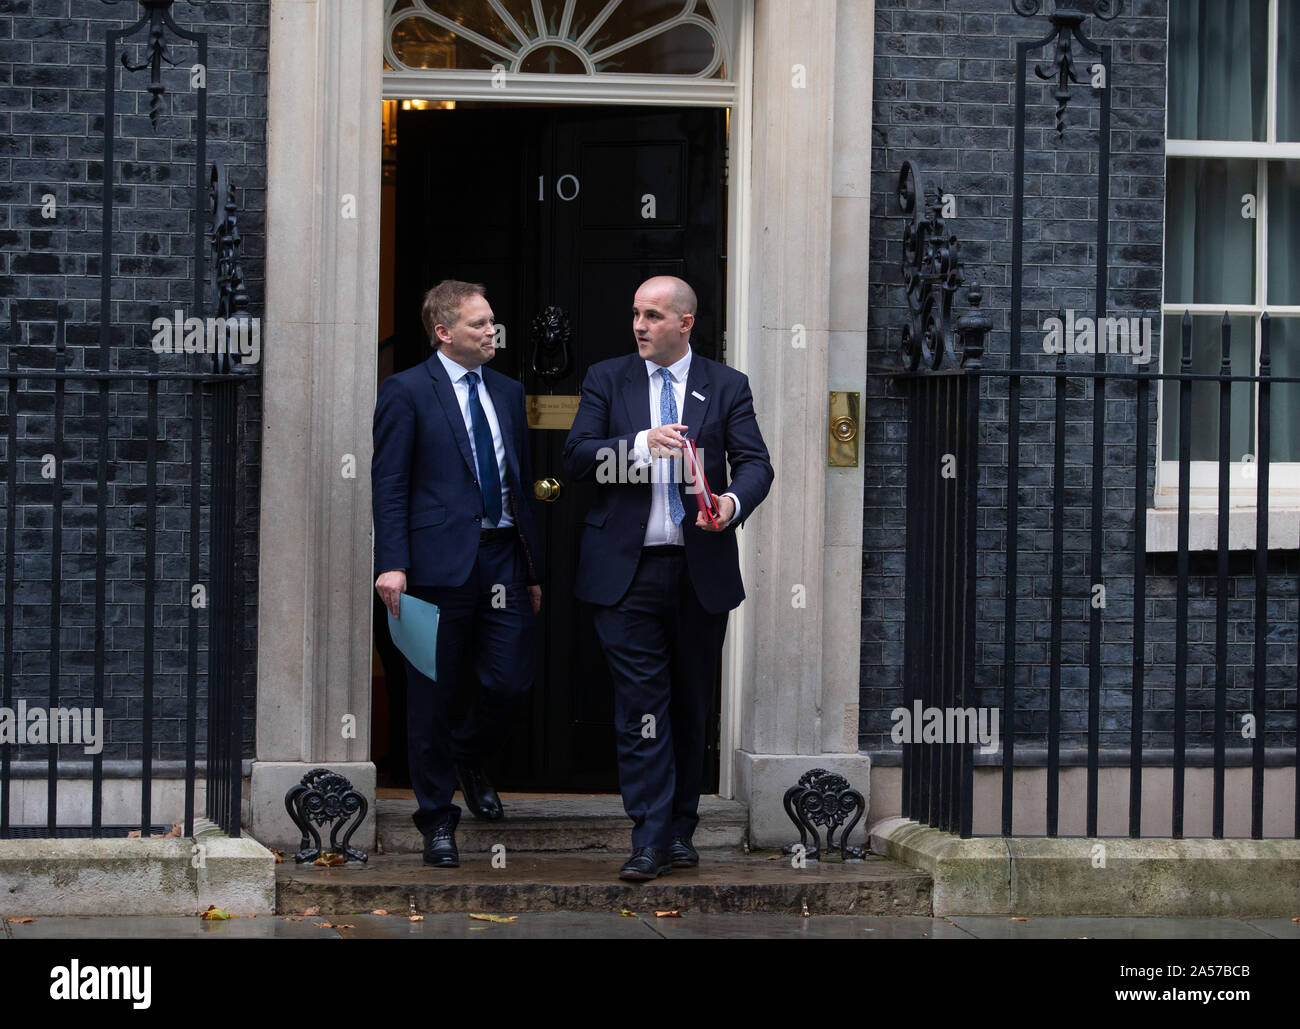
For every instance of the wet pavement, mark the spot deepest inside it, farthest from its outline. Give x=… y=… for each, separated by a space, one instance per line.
x=645 y=925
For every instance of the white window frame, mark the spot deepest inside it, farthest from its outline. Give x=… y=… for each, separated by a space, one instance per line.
x=1284 y=477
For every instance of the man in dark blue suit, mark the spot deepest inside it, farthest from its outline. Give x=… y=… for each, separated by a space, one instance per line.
x=454 y=525
x=663 y=579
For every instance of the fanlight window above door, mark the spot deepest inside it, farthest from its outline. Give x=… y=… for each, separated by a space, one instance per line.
x=445 y=43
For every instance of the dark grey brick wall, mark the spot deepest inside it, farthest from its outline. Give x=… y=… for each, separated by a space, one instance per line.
x=51 y=143
x=944 y=97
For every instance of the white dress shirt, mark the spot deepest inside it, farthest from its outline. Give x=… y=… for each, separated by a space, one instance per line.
x=460 y=384
x=659 y=528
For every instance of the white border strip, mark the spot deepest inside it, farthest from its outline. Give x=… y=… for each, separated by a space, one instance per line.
x=1236 y=148
x=524 y=87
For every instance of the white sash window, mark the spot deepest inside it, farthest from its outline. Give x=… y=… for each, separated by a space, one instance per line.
x=1232 y=236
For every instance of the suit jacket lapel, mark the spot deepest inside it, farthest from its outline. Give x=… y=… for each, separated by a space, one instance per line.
x=446 y=394
x=694 y=409
x=636 y=395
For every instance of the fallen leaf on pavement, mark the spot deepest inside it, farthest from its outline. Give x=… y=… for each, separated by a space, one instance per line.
x=494 y=918
x=333 y=925
x=629 y=914
x=379 y=911
x=322 y=925
x=1019 y=919
x=214 y=912
x=292 y=918
x=134 y=834
x=416 y=918
x=20 y=921
x=279 y=856
x=668 y=914
x=328 y=860
x=315 y=910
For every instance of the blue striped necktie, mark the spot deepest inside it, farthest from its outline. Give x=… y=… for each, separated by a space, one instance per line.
x=668 y=416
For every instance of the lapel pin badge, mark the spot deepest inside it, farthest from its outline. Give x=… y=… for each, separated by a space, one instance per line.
x=696 y=395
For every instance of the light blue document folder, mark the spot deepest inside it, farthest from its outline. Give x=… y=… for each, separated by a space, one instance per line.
x=416 y=634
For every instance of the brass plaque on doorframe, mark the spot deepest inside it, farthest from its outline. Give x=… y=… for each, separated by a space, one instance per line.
x=551 y=412
x=842 y=430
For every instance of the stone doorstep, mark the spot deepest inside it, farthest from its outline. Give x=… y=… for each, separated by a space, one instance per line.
x=726 y=881
x=136 y=876
x=1060 y=876
x=567 y=824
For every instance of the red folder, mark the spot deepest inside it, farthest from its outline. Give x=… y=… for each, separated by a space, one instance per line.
x=698 y=483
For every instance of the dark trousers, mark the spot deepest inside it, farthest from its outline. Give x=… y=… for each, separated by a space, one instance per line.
x=662 y=649
x=501 y=639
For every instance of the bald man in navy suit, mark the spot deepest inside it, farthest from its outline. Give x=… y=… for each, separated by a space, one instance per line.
x=661 y=576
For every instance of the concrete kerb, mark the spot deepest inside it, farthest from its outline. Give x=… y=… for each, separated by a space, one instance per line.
x=971 y=877
x=1106 y=876
x=168 y=876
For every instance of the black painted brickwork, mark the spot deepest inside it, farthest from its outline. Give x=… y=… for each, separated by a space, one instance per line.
x=944 y=96
x=51 y=142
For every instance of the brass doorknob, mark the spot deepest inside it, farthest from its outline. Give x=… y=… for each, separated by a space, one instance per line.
x=547 y=489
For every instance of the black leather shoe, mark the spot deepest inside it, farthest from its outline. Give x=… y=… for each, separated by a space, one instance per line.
x=480 y=797
x=440 y=844
x=683 y=854
x=646 y=863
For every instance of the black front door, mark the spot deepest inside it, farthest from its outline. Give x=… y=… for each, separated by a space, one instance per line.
x=562 y=211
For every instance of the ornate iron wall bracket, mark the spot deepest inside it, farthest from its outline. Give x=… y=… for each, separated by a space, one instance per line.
x=158 y=17
x=325 y=796
x=932 y=274
x=824 y=798
x=1066 y=20
x=227 y=272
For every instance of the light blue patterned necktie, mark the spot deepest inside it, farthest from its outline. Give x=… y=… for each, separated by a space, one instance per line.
x=668 y=416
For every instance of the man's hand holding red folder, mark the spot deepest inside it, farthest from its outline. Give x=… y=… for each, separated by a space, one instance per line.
x=726 y=508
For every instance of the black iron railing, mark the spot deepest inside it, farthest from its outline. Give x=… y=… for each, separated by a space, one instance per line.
x=940 y=670
x=948 y=382
x=219 y=391
x=214 y=540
